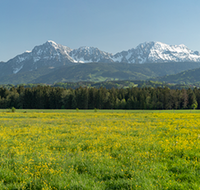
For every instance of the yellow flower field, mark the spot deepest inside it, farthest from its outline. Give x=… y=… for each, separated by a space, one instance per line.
x=96 y=150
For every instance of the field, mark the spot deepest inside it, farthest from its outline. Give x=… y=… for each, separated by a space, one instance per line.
x=83 y=150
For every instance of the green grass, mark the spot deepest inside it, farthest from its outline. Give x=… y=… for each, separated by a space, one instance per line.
x=103 y=150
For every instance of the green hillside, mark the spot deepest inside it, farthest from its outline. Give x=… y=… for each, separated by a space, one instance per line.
x=25 y=77
x=97 y=72
x=112 y=71
x=185 y=77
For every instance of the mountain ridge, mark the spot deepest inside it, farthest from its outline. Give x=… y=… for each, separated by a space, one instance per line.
x=54 y=55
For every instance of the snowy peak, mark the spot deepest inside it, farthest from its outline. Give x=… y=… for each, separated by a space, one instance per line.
x=52 y=43
x=50 y=47
x=151 y=52
x=47 y=54
x=177 y=53
x=89 y=54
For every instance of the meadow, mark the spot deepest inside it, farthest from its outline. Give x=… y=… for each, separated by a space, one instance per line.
x=83 y=150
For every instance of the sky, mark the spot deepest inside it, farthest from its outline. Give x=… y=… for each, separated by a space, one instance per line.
x=110 y=25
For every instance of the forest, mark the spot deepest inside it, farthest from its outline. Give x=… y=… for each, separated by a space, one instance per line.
x=47 y=97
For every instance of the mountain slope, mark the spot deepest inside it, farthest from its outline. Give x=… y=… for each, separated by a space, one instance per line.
x=25 y=77
x=97 y=72
x=112 y=71
x=185 y=77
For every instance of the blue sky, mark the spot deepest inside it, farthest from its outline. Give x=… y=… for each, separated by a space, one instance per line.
x=110 y=25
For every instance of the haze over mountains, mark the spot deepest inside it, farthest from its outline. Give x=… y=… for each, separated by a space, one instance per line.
x=52 y=59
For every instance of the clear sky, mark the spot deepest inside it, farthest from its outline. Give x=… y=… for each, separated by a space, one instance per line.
x=110 y=25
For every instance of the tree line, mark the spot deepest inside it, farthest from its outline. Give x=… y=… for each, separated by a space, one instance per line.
x=47 y=97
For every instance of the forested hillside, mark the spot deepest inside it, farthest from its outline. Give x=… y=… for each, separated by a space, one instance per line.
x=46 y=97
x=185 y=77
x=97 y=72
x=121 y=84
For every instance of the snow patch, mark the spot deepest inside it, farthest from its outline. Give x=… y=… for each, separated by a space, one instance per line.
x=35 y=59
x=81 y=60
x=20 y=59
x=117 y=58
x=16 y=70
x=129 y=56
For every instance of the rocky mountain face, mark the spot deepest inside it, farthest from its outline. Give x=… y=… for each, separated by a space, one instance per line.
x=157 y=52
x=90 y=54
x=52 y=55
x=49 y=54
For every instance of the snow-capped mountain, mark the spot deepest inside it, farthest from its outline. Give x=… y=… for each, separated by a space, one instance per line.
x=48 y=54
x=51 y=54
x=89 y=54
x=154 y=52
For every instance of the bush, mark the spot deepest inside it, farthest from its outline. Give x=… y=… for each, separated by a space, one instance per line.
x=194 y=106
x=13 y=109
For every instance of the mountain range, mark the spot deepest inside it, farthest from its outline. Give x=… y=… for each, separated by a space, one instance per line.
x=52 y=62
